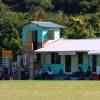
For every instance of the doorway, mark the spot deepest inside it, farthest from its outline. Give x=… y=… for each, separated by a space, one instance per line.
x=34 y=40
x=94 y=63
x=68 y=63
x=80 y=58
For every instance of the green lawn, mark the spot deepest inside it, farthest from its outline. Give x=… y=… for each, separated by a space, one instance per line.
x=49 y=90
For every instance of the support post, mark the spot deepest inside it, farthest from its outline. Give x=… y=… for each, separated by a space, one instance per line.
x=19 y=67
x=0 y=57
x=31 y=67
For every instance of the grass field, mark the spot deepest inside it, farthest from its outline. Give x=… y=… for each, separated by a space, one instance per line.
x=49 y=90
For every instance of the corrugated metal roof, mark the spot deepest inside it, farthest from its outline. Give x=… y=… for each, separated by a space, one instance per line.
x=47 y=24
x=78 y=45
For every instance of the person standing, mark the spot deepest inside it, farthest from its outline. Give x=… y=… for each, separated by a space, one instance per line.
x=49 y=73
x=14 y=72
x=42 y=72
x=5 y=73
x=88 y=71
x=1 y=70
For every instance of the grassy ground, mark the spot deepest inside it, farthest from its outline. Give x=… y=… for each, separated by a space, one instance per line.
x=49 y=90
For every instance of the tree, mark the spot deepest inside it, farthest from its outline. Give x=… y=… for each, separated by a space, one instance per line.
x=9 y=30
x=9 y=38
x=40 y=15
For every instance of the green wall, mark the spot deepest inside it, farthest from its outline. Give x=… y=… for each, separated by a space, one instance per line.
x=42 y=32
x=55 y=67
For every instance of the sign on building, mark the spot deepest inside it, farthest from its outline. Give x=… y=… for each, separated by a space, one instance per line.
x=66 y=53
x=6 y=58
x=7 y=54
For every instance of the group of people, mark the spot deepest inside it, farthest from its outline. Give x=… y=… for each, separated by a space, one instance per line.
x=3 y=73
x=6 y=73
x=88 y=72
x=42 y=73
x=12 y=73
x=24 y=73
x=39 y=73
x=47 y=73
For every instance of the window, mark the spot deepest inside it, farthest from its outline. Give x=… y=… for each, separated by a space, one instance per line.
x=68 y=63
x=55 y=58
x=51 y=35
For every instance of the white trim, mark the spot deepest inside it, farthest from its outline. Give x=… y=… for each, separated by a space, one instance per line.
x=94 y=52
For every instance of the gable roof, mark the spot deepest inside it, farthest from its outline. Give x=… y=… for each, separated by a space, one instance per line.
x=47 y=24
x=77 y=45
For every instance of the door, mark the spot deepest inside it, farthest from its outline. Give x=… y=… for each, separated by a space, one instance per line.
x=68 y=63
x=94 y=63
x=34 y=39
x=80 y=58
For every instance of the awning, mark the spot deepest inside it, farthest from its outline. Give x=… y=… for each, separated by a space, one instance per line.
x=94 y=52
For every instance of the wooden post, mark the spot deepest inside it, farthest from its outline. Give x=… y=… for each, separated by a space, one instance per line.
x=0 y=57
x=19 y=67
x=31 y=67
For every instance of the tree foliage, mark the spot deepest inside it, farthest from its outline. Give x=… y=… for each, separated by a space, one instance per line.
x=67 y=6
x=81 y=18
